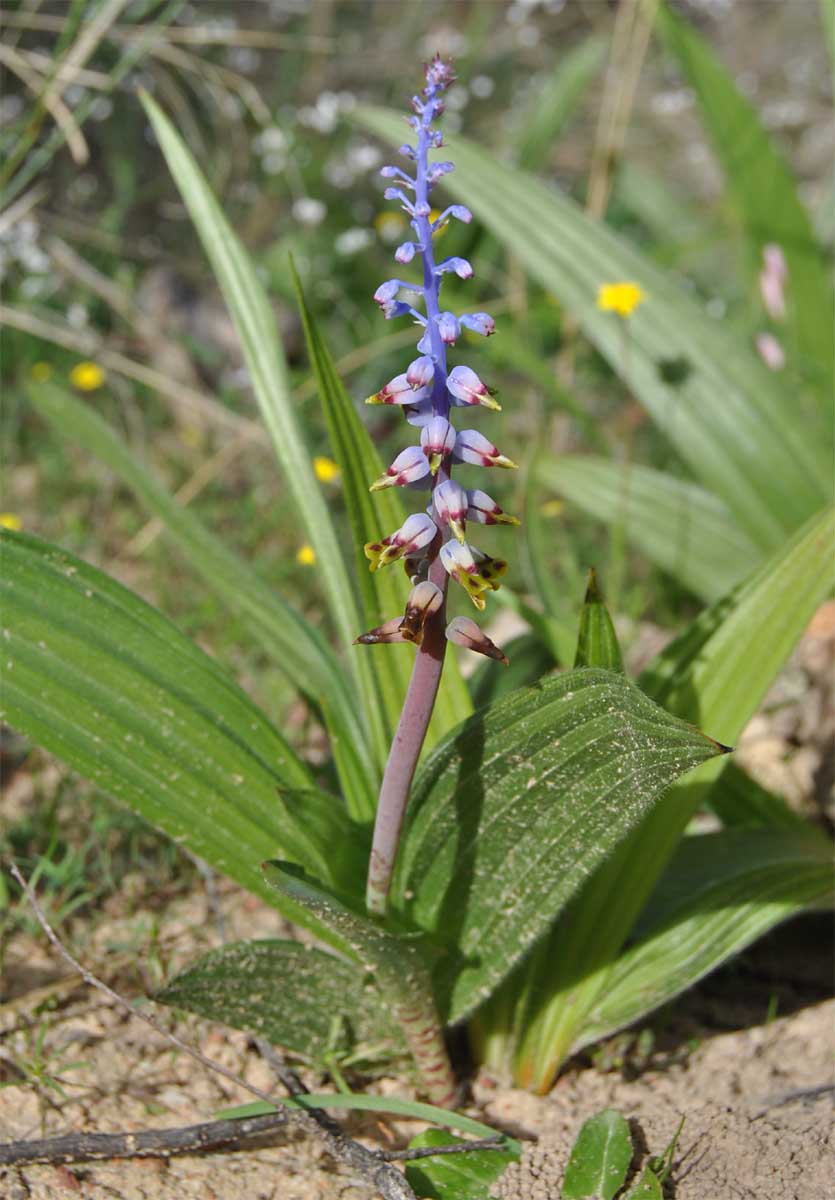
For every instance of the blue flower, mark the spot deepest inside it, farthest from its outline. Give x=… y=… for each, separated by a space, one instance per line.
x=425 y=393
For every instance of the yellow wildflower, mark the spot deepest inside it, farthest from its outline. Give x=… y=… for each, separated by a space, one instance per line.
x=306 y=555
x=40 y=372
x=552 y=508
x=11 y=521
x=325 y=469
x=87 y=376
x=621 y=298
x=390 y=226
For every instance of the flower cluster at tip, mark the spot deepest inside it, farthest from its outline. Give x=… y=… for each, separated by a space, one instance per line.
x=426 y=393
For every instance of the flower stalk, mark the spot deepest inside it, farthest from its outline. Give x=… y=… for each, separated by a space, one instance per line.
x=432 y=545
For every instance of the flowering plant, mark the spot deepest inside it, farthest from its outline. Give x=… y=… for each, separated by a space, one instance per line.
x=507 y=870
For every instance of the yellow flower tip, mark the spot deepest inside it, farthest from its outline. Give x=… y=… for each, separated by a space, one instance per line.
x=552 y=508
x=435 y=461
x=458 y=530
x=385 y=481
x=325 y=469
x=507 y=463
x=507 y=519
x=306 y=555
x=87 y=376
x=40 y=372
x=621 y=298
x=11 y=521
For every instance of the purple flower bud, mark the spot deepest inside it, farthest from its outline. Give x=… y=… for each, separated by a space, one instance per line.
x=439 y=74
x=480 y=322
x=406 y=150
x=387 y=291
x=437 y=439
x=398 y=391
x=395 y=308
x=421 y=372
x=436 y=139
x=388 y=633
x=459 y=265
x=465 y=388
x=485 y=510
x=393 y=193
x=463 y=631
x=405 y=252
x=414 y=535
x=438 y=170
x=473 y=447
x=425 y=599
x=448 y=327
x=410 y=466
x=450 y=502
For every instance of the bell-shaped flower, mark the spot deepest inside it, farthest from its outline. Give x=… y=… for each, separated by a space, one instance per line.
x=448 y=327
x=438 y=170
x=465 y=387
x=473 y=447
x=490 y=569
x=463 y=631
x=485 y=510
x=389 y=632
x=425 y=599
x=421 y=372
x=437 y=439
x=410 y=466
x=399 y=391
x=414 y=535
x=460 y=562
x=479 y=322
x=459 y=211
x=450 y=502
x=406 y=150
x=387 y=291
x=405 y=252
x=459 y=265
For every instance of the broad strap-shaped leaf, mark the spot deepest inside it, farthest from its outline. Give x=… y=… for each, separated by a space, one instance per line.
x=396 y=962
x=295 y=996
x=254 y=322
x=740 y=802
x=599 y=1159
x=110 y=686
x=720 y=892
x=466 y=1176
x=372 y=515
x=290 y=641
x=597 y=643
x=726 y=414
x=764 y=192
x=716 y=673
x=540 y=124
x=511 y=814
x=679 y=526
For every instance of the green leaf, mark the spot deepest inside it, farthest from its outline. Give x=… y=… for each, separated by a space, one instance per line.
x=290 y=641
x=597 y=644
x=254 y=322
x=679 y=526
x=728 y=417
x=720 y=892
x=398 y=966
x=763 y=190
x=716 y=674
x=646 y=1187
x=493 y=848
x=738 y=800
x=377 y=1104
x=599 y=1158
x=373 y=515
x=107 y=684
x=540 y=124
x=465 y=1176
x=295 y=996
